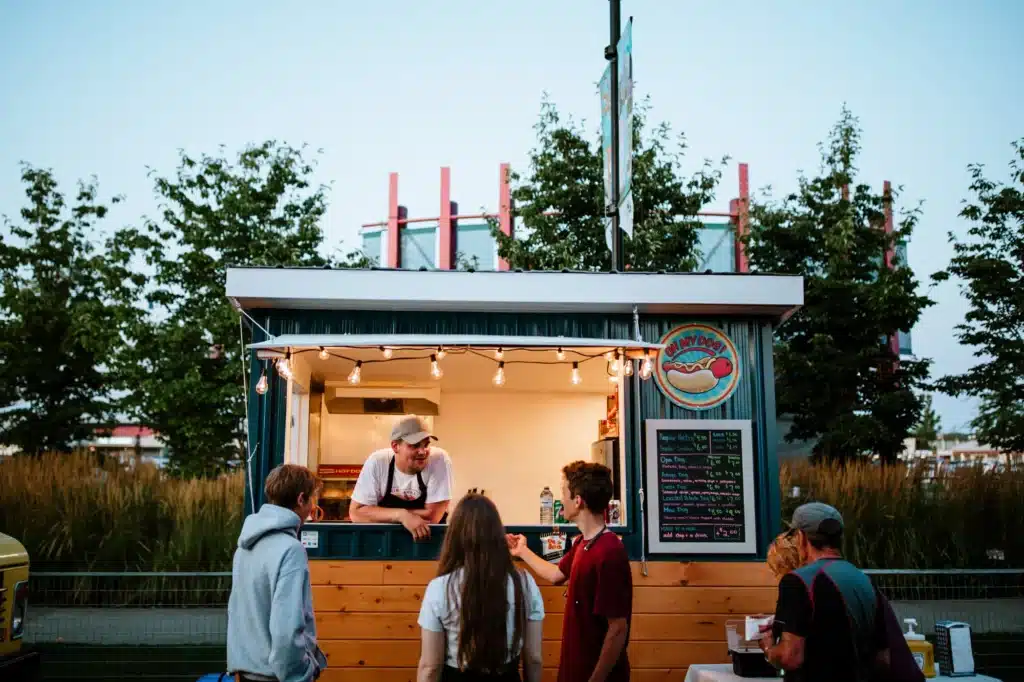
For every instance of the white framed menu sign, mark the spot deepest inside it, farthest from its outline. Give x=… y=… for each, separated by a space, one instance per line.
x=700 y=483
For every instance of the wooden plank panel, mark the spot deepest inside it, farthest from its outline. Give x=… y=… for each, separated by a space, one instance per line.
x=672 y=627
x=663 y=600
x=703 y=574
x=703 y=600
x=422 y=572
x=345 y=625
x=323 y=572
x=409 y=572
x=554 y=599
x=677 y=654
x=339 y=674
x=659 y=573
x=367 y=598
x=405 y=654
x=403 y=626
x=549 y=675
x=654 y=627
x=657 y=655
x=358 y=653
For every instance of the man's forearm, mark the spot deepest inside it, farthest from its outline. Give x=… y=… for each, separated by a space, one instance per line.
x=370 y=514
x=542 y=568
x=611 y=651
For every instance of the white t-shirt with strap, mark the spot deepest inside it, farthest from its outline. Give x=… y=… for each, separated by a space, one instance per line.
x=438 y=614
x=437 y=476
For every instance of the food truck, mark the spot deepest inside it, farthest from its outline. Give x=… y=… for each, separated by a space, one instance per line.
x=666 y=378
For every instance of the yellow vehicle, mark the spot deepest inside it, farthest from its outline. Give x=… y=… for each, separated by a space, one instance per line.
x=15 y=662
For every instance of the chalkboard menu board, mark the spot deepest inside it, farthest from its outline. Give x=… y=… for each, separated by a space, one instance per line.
x=700 y=478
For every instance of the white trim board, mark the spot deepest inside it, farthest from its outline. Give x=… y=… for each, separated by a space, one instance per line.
x=775 y=296
x=653 y=492
x=398 y=341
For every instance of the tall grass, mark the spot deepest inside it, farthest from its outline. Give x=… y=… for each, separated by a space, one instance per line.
x=897 y=517
x=76 y=512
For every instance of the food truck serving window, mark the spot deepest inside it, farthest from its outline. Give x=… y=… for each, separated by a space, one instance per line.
x=509 y=412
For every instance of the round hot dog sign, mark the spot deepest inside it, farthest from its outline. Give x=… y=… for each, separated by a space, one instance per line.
x=698 y=368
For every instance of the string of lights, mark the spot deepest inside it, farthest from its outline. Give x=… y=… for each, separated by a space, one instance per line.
x=618 y=363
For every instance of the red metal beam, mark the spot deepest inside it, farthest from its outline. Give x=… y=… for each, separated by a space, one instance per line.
x=505 y=207
x=446 y=242
x=394 y=236
x=743 y=219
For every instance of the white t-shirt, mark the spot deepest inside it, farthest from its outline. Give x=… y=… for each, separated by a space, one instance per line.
x=438 y=615
x=437 y=476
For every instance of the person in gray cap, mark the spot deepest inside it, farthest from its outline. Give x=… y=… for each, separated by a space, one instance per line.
x=829 y=622
x=409 y=483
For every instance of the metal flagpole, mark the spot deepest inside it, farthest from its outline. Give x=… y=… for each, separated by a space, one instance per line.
x=611 y=54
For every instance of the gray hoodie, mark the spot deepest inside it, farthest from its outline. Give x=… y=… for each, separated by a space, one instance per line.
x=271 y=631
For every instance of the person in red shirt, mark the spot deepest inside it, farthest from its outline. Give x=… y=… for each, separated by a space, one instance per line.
x=599 y=600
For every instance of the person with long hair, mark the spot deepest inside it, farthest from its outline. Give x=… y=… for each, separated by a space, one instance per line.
x=481 y=614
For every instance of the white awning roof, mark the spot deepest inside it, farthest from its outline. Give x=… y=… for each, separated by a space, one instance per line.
x=775 y=296
x=296 y=341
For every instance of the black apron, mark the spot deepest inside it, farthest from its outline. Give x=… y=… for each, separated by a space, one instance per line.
x=390 y=501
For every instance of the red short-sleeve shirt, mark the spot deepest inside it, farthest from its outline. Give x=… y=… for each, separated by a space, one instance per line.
x=600 y=587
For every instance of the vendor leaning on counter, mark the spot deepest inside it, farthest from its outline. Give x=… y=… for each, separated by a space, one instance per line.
x=409 y=483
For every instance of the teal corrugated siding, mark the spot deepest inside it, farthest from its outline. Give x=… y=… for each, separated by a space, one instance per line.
x=753 y=399
x=581 y=325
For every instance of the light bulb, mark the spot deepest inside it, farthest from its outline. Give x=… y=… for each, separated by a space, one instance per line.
x=435 y=369
x=646 y=368
x=284 y=368
x=441 y=353
x=627 y=367
x=261 y=385
x=356 y=374
x=386 y=352
x=499 y=354
x=575 y=378
x=323 y=353
x=613 y=364
x=613 y=378
x=560 y=354
x=499 y=376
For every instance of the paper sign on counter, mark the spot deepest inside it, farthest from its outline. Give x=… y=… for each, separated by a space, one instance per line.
x=310 y=539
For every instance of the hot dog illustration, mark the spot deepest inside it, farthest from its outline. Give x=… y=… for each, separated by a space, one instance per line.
x=697 y=377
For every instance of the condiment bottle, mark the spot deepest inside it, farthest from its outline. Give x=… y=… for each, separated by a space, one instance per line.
x=921 y=649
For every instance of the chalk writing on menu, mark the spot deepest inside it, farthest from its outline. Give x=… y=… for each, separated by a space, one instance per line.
x=700 y=486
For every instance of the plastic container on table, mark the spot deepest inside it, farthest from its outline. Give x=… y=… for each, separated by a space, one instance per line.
x=747 y=658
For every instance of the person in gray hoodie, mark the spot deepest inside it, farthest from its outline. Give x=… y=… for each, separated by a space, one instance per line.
x=271 y=631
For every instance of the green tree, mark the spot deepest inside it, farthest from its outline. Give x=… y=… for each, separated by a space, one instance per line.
x=990 y=266
x=834 y=372
x=56 y=325
x=560 y=201
x=183 y=365
x=928 y=428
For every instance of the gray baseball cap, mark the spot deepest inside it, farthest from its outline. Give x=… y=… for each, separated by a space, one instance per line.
x=817 y=517
x=411 y=429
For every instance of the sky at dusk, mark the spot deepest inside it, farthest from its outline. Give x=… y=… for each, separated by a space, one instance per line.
x=112 y=88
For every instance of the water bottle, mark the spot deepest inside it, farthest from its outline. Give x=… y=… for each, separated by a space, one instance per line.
x=547 y=507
